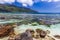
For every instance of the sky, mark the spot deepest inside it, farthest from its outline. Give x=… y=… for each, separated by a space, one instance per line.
x=42 y=6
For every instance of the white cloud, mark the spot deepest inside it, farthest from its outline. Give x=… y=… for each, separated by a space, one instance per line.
x=6 y=1
x=24 y=5
x=26 y=2
x=31 y=2
x=51 y=0
x=9 y=1
x=35 y=1
x=47 y=0
x=56 y=0
x=2 y=1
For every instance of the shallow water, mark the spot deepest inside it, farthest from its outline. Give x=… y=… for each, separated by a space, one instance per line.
x=54 y=29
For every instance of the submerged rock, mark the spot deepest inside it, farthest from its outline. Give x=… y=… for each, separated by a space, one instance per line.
x=57 y=36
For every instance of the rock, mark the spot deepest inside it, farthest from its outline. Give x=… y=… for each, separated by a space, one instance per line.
x=57 y=36
x=47 y=31
x=17 y=37
x=26 y=36
x=43 y=34
x=38 y=30
x=6 y=30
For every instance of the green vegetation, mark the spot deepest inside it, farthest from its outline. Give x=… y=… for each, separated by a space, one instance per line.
x=15 y=9
x=48 y=25
x=34 y=24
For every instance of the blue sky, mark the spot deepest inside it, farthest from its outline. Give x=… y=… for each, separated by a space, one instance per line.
x=42 y=6
x=47 y=7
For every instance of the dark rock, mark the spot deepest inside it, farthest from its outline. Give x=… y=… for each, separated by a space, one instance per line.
x=57 y=36
x=43 y=34
x=26 y=36
x=6 y=31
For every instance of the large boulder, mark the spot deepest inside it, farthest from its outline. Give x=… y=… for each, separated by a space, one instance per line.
x=6 y=30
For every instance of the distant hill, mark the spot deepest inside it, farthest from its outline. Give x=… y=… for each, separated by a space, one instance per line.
x=14 y=9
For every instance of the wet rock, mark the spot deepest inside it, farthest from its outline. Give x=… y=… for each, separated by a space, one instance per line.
x=57 y=36
x=6 y=30
x=38 y=30
x=22 y=36
x=17 y=37
x=47 y=31
x=11 y=38
x=43 y=34
x=32 y=32
x=26 y=36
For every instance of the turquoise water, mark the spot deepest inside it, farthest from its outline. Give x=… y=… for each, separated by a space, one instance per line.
x=54 y=29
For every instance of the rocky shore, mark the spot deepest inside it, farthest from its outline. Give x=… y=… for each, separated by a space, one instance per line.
x=29 y=33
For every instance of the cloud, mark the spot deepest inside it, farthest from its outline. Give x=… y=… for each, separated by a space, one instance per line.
x=51 y=0
x=26 y=2
x=35 y=1
x=6 y=1
x=24 y=5
x=47 y=0
x=31 y=2
x=56 y=0
x=9 y=1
